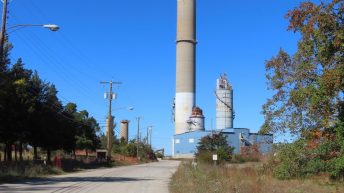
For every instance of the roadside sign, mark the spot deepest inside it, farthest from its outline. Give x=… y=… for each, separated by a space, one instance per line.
x=215 y=157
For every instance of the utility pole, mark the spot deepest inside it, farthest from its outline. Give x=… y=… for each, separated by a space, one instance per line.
x=138 y=136
x=150 y=137
x=110 y=134
x=3 y=30
x=147 y=142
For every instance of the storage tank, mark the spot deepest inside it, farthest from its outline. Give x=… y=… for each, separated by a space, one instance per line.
x=224 y=103
x=124 y=130
x=196 y=121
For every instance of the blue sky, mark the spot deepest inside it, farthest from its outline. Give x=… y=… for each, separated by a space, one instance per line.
x=133 y=41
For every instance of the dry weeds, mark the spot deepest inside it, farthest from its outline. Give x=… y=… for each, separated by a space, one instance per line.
x=243 y=178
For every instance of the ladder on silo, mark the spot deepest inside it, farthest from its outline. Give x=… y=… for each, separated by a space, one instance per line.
x=226 y=104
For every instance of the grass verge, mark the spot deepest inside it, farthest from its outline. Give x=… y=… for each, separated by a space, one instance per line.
x=12 y=172
x=243 y=178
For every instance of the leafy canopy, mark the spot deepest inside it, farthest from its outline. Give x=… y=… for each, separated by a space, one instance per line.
x=308 y=85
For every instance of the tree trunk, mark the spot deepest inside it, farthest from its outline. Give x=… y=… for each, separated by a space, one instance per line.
x=35 y=155
x=5 y=153
x=48 y=155
x=86 y=153
x=74 y=155
x=9 y=152
x=20 y=151
x=15 y=152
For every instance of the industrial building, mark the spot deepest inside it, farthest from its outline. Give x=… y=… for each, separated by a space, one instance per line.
x=188 y=118
x=184 y=145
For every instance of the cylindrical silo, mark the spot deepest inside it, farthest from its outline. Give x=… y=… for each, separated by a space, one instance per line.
x=224 y=103
x=124 y=130
x=196 y=122
x=185 y=64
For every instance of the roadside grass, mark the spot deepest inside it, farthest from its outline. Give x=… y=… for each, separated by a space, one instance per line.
x=15 y=171
x=244 y=178
x=12 y=172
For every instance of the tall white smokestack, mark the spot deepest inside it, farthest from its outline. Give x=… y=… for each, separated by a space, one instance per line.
x=186 y=64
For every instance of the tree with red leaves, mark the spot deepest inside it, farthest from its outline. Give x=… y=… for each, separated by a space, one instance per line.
x=308 y=85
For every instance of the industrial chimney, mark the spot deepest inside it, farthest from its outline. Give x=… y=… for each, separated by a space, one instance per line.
x=185 y=64
x=124 y=130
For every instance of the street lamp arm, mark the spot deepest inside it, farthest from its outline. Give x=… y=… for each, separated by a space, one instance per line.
x=52 y=27
x=120 y=108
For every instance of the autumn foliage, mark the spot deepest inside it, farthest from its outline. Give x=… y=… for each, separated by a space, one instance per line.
x=309 y=89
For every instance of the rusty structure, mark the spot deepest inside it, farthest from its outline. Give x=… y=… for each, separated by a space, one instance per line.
x=196 y=121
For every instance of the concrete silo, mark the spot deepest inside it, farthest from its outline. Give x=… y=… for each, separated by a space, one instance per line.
x=124 y=130
x=185 y=64
x=196 y=121
x=224 y=103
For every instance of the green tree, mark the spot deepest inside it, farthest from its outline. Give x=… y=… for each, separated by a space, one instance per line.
x=51 y=122
x=309 y=92
x=85 y=128
x=31 y=113
x=15 y=107
x=214 y=144
x=308 y=85
x=5 y=86
x=20 y=105
x=39 y=91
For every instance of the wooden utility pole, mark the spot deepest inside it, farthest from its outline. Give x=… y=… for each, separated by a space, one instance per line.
x=138 y=137
x=3 y=30
x=110 y=134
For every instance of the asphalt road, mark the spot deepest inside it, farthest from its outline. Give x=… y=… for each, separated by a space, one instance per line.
x=146 y=178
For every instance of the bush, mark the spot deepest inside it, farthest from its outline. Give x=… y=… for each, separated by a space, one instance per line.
x=298 y=160
x=205 y=156
x=238 y=158
x=290 y=159
x=338 y=168
x=214 y=144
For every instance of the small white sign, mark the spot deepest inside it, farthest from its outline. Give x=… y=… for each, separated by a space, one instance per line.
x=215 y=157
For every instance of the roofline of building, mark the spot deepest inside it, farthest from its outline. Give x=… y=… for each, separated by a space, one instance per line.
x=222 y=131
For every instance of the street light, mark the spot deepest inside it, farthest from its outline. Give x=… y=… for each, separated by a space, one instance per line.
x=128 y=108
x=52 y=27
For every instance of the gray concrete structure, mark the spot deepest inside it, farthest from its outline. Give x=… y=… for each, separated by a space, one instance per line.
x=224 y=103
x=124 y=130
x=185 y=64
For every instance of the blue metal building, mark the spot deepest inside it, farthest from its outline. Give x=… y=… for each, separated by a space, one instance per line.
x=185 y=145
